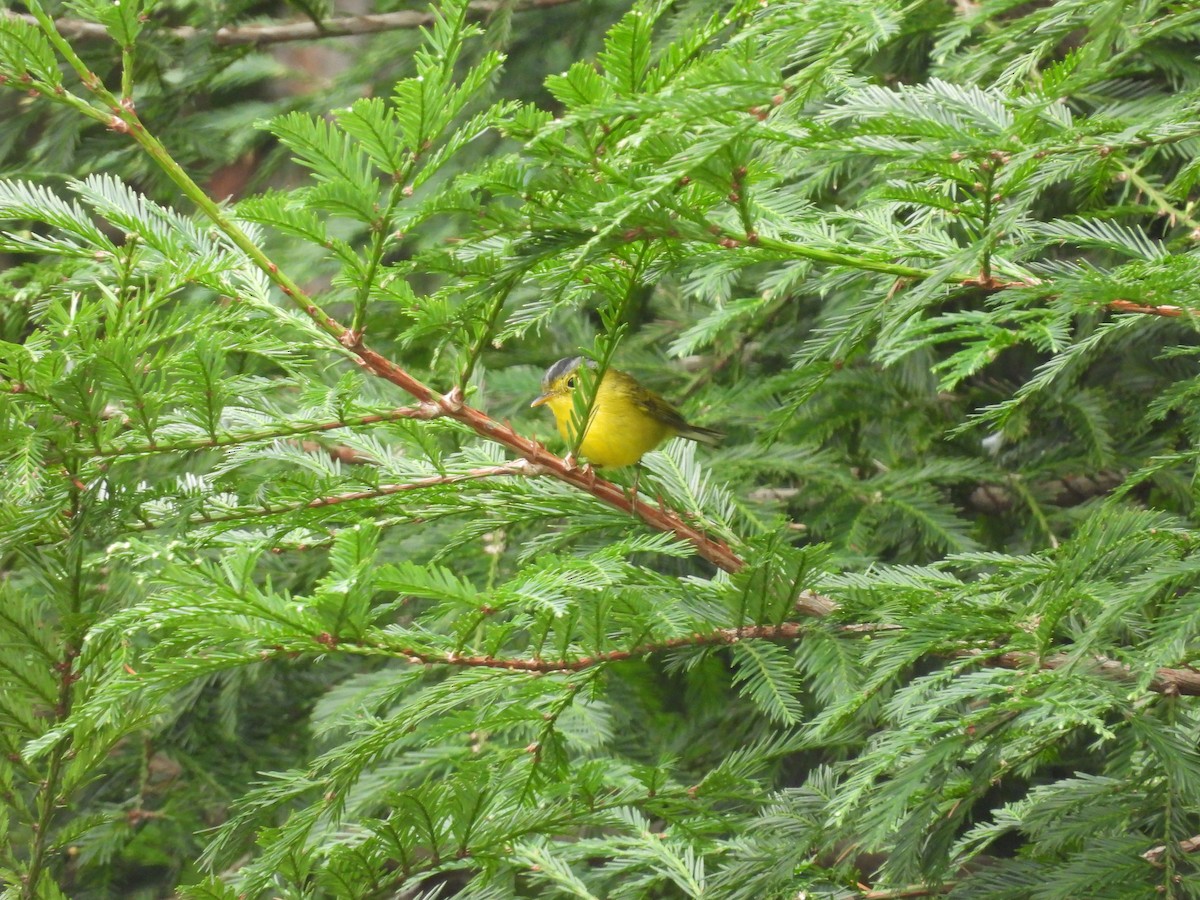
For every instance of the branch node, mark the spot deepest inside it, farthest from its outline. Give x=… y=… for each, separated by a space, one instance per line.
x=426 y=409
x=528 y=468
x=451 y=403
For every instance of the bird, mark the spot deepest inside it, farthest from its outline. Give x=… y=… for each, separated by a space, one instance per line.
x=627 y=419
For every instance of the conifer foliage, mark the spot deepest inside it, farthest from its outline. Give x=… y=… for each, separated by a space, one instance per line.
x=293 y=603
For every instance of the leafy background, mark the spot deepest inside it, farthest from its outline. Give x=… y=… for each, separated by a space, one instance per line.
x=282 y=611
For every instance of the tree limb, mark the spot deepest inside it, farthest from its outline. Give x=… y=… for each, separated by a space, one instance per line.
x=1171 y=682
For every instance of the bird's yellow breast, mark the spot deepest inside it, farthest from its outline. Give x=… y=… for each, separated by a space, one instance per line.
x=619 y=431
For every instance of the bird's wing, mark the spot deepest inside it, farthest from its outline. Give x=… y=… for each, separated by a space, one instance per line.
x=659 y=409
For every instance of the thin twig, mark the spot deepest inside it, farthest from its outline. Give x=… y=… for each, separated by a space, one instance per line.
x=1171 y=311
x=1166 y=681
x=851 y=260
x=284 y=431
x=519 y=467
x=341 y=452
x=992 y=286
x=68 y=670
x=722 y=636
x=305 y=30
x=1161 y=202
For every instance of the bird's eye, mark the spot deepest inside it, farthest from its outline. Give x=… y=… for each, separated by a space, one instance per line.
x=571 y=383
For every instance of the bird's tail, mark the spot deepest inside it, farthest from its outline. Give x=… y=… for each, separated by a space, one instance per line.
x=702 y=435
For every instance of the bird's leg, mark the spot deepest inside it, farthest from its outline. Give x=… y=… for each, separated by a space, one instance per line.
x=631 y=493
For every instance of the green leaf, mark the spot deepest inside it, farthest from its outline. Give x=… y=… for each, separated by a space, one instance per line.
x=373 y=124
x=766 y=674
x=25 y=53
x=335 y=159
x=123 y=19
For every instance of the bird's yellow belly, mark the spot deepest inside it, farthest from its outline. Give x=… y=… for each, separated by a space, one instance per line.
x=616 y=439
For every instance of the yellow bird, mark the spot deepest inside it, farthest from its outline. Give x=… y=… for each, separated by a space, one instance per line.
x=627 y=420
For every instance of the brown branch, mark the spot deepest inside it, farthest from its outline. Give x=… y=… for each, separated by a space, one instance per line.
x=422 y=411
x=1166 y=681
x=304 y=30
x=1188 y=845
x=341 y=452
x=722 y=636
x=1068 y=490
x=1172 y=311
x=519 y=467
x=993 y=286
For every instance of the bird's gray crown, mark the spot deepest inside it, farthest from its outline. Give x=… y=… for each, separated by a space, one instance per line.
x=563 y=367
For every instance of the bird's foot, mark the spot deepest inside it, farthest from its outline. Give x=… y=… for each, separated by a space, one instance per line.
x=631 y=492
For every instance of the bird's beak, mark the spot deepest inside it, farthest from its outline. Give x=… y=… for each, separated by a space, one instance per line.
x=540 y=400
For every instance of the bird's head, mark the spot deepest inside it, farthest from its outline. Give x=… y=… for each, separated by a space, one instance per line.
x=560 y=381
